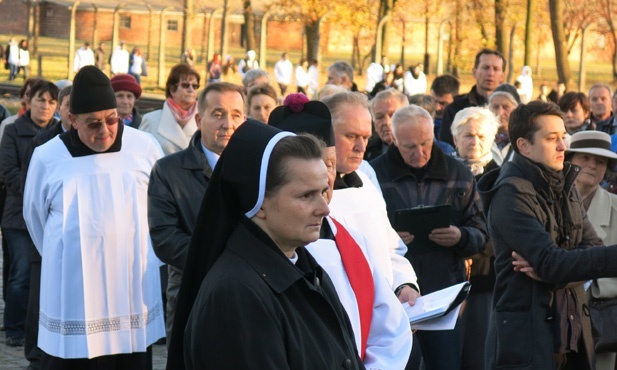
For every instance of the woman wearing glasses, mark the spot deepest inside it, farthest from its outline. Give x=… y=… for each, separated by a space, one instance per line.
x=174 y=125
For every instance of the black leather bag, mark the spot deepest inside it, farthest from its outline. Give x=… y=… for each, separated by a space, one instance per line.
x=603 y=314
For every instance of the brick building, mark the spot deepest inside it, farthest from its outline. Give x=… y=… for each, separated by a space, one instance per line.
x=140 y=22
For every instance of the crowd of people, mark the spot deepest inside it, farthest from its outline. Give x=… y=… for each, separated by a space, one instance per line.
x=275 y=217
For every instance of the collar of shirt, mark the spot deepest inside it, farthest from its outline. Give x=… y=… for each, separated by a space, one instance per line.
x=128 y=119
x=350 y=180
x=211 y=157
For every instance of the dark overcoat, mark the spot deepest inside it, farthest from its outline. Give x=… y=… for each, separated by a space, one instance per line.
x=15 y=149
x=521 y=218
x=446 y=181
x=257 y=310
x=175 y=192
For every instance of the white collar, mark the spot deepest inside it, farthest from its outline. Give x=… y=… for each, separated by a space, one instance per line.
x=211 y=157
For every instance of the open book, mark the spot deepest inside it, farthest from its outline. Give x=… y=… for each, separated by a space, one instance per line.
x=437 y=304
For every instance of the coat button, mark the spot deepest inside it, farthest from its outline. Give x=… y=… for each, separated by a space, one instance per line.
x=347 y=364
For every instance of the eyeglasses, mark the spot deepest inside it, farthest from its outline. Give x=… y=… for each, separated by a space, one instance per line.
x=95 y=125
x=186 y=85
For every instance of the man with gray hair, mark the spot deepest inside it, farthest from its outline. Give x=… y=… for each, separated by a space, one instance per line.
x=341 y=73
x=255 y=77
x=601 y=107
x=600 y=102
x=383 y=106
x=356 y=202
x=415 y=173
x=430 y=105
x=609 y=125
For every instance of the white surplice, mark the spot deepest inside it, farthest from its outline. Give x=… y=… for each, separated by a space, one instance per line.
x=100 y=285
x=363 y=209
x=389 y=339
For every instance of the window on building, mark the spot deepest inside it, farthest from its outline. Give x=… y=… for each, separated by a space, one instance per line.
x=172 y=25
x=49 y=13
x=125 y=21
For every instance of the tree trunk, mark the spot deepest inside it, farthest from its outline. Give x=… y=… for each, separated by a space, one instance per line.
x=311 y=30
x=614 y=38
x=30 y=25
x=528 y=33
x=501 y=34
x=615 y=64
x=224 y=44
x=511 y=53
x=458 y=26
x=611 y=26
x=37 y=31
x=95 y=25
x=249 y=25
x=559 y=40
x=355 y=54
x=385 y=7
x=427 y=61
x=189 y=17
x=479 y=9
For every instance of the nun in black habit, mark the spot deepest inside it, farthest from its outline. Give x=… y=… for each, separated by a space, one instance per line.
x=251 y=296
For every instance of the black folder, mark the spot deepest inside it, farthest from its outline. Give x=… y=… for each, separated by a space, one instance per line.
x=420 y=221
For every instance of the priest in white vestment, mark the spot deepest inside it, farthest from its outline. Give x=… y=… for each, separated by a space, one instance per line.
x=85 y=206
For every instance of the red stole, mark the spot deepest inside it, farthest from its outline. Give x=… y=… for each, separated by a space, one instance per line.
x=360 y=278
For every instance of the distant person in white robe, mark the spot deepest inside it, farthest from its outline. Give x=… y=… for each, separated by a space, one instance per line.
x=85 y=206
x=313 y=75
x=526 y=88
x=374 y=75
x=83 y=57
x=415 y=80
x=283 y=73
x=248 y=63
x=120 y=60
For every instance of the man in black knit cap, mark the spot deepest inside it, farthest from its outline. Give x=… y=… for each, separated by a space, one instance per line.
x=86 y=200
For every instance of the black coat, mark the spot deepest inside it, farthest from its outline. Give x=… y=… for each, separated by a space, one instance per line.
x=471 y=99
x=41 y=138
x=177 y=186
x=15 y=148
x=446 y=181
x=608 y=125
x=256 y=310
x=136 y=119
x=4 y=113
x=52 y=130
x=521 y=218
x=374 y=148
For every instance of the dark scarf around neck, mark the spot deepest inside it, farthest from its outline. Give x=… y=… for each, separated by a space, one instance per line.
x=77 y=148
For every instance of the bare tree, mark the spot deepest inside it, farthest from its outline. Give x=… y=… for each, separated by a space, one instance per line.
x=189 y=19
x=248 y=28
x=609 y=16
x=385 y=8
x=559 y=40
x=501 y=32
x=528 y=33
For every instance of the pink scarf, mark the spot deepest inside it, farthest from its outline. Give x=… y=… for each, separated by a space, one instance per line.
x=182 y=116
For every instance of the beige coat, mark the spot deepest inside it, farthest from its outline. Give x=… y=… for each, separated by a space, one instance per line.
x=602 y=214
x=162 y=124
